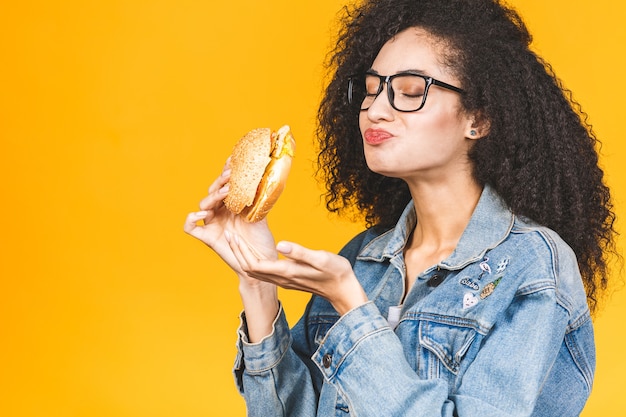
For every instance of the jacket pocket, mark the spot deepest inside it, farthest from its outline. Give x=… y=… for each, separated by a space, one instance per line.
x=442 y=348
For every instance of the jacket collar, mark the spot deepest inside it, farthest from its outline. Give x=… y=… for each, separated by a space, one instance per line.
x=489 y=225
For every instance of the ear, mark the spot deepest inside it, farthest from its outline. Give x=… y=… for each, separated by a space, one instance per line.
x=477 y=127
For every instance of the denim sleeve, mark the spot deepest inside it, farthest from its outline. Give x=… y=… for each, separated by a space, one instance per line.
x=276 y=376
x=363 y=358
x=271 y=377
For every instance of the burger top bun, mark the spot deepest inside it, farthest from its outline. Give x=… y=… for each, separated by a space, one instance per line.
x=250 y=156
x=260 y=163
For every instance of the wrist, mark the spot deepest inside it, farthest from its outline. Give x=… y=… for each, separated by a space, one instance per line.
x=261 y=306
x=351 y=297
x=251 y=287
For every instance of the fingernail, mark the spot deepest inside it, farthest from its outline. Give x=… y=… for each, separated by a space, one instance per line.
x=226 y=172
x=225 y=189
x=284 y=247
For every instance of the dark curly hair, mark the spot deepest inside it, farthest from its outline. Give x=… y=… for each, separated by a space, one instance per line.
x=539 y=155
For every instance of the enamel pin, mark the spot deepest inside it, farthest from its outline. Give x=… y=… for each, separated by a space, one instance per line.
x=469 y=300
x=488 y=290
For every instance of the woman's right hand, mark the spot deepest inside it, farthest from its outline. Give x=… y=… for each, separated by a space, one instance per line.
x=214 y=224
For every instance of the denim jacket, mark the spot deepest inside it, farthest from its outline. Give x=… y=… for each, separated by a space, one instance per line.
x=499 y=328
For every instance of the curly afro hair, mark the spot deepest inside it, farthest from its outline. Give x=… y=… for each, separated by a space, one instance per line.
x=539 y=155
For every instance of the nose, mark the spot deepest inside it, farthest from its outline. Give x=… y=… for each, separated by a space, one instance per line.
x=381 y=108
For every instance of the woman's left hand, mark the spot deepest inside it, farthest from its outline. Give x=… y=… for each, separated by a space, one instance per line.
x=315 y=271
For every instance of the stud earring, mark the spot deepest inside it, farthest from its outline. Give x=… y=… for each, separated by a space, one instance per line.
x=472 y=132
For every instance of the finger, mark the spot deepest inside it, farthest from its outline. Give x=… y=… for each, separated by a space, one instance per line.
x=253 y=261
x=252 y=249
x=287 y=274
x=191 y=222
x=301 y=254
x=215 y=199
x=238 y=250
x=219 y=182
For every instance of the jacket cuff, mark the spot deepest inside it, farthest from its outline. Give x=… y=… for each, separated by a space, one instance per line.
x=265 y=354
x=342 y=339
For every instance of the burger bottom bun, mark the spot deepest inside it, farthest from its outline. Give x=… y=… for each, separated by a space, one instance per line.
x=270 y=188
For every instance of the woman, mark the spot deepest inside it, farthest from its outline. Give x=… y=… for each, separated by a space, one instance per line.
x=488 y=229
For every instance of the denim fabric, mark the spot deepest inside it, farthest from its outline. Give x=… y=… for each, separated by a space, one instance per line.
x=499 y=328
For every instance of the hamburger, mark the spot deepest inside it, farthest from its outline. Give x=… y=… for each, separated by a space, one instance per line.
x=260 y=163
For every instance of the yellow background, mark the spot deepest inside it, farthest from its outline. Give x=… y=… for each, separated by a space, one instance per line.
x=115 y=116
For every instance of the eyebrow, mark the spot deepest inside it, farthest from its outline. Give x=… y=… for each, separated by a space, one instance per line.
x=406 y=71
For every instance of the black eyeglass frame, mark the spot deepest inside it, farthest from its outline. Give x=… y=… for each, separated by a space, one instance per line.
x=386 y=79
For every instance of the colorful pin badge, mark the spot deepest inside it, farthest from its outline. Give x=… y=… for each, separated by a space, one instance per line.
x=488 y=290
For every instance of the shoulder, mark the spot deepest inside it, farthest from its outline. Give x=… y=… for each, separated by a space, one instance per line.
x=543 y=245
x=550 y=259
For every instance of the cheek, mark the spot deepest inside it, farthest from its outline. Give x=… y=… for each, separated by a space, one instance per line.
x=445 y=128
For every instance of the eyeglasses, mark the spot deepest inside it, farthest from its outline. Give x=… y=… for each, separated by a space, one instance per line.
x=406 y=91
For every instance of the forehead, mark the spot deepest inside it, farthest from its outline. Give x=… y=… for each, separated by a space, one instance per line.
x=412 y=49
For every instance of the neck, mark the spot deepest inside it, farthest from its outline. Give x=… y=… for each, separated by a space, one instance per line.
x=443 y=211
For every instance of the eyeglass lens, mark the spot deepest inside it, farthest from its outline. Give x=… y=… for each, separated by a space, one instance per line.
x=406 y=91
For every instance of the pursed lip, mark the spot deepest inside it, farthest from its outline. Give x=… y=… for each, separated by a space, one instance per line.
x=376 y=136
